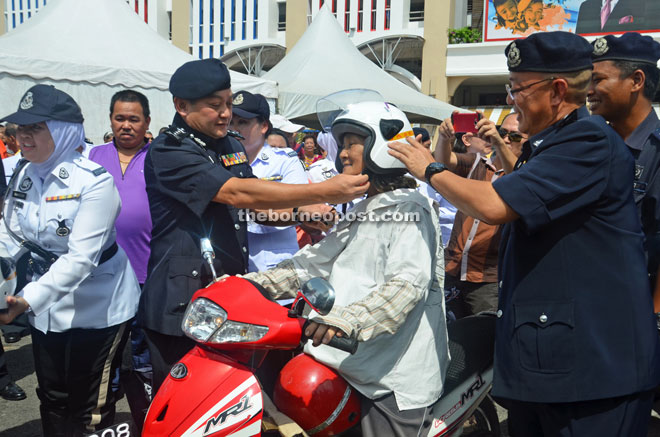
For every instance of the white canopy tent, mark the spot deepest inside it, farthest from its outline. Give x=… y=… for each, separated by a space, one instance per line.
x=91 y=49
x=325 y=61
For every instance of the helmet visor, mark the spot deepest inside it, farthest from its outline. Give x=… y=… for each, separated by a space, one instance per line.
x=329 y=107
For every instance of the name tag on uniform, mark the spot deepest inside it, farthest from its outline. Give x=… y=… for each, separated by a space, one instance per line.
x=19 y=195
x=64 y=197
x=234 y=159
x=272 y=178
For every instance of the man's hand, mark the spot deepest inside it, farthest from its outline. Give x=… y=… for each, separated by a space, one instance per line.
x=17 y=306
x=344 y=188
x=319 y=217
x=413 y=155
x=487 y=131
x=322 y=334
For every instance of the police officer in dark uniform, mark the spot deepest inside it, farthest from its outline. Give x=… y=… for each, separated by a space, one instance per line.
x=198 y=178
x=576 y=351
x=625 y=80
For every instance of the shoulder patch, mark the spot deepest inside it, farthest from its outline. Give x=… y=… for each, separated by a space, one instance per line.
x=99 y=171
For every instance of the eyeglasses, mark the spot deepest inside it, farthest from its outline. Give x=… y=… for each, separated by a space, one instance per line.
x=513 y=91
x=513 y=136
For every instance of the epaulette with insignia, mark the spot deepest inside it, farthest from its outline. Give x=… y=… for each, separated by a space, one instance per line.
x=178 y=133
x=99 y=171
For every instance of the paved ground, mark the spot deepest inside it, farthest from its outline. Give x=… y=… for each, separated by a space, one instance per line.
x=21 y=419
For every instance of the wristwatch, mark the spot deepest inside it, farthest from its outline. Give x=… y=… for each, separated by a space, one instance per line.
x=433 y=168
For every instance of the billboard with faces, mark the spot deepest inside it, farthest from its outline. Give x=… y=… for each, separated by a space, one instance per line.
x=511 y=19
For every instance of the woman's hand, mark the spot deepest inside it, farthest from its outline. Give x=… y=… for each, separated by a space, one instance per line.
x=17 y=306
x=322 y=334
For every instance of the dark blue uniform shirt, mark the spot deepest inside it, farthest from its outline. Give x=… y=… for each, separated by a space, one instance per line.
x=575 y=315
x=644 y=143
x=183 y=172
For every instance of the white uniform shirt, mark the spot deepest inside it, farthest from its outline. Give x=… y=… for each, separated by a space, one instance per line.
x=356 y=260
x=76 y=292
x=446 y=211
x=271 y=244
x=10 y=164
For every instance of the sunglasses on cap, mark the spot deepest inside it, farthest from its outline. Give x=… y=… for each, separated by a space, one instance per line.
x=513 y=136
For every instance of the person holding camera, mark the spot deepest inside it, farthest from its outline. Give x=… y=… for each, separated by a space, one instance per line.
x=472 y=251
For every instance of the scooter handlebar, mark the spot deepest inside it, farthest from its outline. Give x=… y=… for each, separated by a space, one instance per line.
x=346 y=344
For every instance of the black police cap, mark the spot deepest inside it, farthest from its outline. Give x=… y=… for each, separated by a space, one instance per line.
x=248 y=105
x=549 y=52
x=630 y=46
x=197 y=79
x=45 y=102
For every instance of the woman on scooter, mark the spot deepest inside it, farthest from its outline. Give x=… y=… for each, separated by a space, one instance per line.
x=385 y=262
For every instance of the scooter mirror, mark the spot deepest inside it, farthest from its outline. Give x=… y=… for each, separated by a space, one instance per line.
x=319 y=294
x=208 y=254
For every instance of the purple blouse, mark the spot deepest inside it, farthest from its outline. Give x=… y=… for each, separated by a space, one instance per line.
x=134 y=222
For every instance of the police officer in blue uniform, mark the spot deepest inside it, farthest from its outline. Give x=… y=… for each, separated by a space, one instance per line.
x=198 y=178
x=576 y=350
x=625 y=80
x=268 y=244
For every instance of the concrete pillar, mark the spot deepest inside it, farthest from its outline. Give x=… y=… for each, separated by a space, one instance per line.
x=2 y=18
x=181 y=24
x=438 y=17
x=296 y=21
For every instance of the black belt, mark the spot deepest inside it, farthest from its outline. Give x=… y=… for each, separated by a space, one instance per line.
x=40 y=266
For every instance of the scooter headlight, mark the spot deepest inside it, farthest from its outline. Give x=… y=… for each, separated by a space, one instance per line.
x=237 y=332
x=203 y=317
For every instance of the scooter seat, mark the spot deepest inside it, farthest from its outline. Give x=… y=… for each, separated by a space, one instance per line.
x=472 y=348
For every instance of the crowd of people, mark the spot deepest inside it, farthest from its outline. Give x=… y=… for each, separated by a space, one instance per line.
x=549 y=220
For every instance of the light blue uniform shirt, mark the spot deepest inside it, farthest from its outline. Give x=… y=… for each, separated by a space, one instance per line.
x=271 y=244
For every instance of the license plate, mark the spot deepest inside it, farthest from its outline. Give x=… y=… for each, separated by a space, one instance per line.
x=117 y=430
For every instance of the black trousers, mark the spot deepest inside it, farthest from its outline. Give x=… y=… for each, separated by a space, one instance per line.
x=615 y=417
x=473 y=297
x=4 y=372
x=74 y=372
x=165 y=351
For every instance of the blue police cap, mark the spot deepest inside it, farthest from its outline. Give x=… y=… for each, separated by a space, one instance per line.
x=45 y=102
x=248 y=105
x=630 y=46
x=197 y=79
x=549 y=52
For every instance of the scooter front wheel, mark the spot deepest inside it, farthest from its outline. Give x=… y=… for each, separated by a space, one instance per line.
x=483 y=422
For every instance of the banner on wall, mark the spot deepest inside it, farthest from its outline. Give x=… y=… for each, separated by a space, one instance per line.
x=511 y=19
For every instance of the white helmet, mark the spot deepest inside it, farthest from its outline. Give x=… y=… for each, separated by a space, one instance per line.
x=8 y=280
x=364 y=113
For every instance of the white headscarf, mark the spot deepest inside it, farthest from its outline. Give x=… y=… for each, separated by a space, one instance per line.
x=67 y=137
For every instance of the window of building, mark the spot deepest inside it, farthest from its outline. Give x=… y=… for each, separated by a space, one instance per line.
x=281 y=14
x=347 y=16
x=244 y=21
x=233 y=20
x=255 y=31
x=387 y=14
x=416 y=10
x=360 y=13
x=373 y=14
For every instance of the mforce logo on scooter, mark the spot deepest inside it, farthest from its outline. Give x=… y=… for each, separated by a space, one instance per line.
x=215 y=423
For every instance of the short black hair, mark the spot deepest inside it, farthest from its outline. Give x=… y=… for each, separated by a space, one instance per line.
x=627 y=68
x=261 y=119
x=131 y=96
x=281 y=133
x=10 y=129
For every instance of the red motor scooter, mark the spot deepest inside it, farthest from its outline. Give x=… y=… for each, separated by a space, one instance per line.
x=214 y=390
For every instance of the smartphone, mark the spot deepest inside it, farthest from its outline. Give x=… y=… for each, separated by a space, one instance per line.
x=465 y=122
